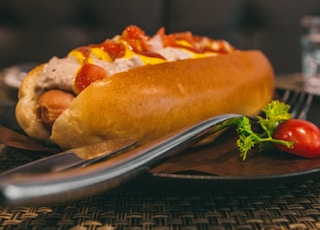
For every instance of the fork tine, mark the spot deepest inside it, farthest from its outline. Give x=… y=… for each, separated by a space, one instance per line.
x=299 y=102
x=289 y=96
x=307 y=100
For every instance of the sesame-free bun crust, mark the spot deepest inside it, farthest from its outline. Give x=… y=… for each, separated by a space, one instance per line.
x=151 y=101
x=25 y=114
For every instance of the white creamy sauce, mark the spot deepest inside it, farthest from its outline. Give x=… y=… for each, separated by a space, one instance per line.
x=119 y=65
x=173 y=54
x=169 y=53
x=60 y=72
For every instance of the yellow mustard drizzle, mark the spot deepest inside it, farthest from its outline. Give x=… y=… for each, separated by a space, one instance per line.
x=102 y=55
x=195 y=55
x=145 y=59
x=94 y=52
x=77 y=54
x=99 y=53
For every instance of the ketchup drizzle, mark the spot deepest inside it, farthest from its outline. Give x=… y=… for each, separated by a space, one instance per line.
x=136 y=40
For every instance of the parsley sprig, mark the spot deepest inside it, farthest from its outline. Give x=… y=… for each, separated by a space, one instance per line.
x=273 y=114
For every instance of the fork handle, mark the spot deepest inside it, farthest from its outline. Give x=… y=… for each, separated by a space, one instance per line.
x=103 y=176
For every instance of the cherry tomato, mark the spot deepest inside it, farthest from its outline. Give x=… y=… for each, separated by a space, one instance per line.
x=305 y=134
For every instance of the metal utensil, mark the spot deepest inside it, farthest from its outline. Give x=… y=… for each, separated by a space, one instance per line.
x=78 y=157
x=15 y=139
x=105 y=175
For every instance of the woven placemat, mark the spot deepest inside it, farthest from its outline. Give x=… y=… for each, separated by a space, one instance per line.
x=130 y=207
x=159 y=205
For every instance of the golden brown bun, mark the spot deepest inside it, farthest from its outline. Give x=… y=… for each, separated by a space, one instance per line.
x=151 y=101
x=25 y=109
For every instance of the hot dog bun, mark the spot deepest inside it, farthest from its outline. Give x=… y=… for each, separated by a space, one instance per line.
x=150 y=101
x=25 y=108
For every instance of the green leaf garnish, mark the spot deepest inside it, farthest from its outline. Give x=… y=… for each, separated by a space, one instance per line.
x=274 y=113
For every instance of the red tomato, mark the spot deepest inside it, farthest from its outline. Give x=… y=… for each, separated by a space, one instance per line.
x=88 y=74
x=134 y=32
x=186 y=36
x=167 y=40
x=114 y=49
x=306 y=137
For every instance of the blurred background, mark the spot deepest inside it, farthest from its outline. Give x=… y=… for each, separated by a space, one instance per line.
x=35 y=30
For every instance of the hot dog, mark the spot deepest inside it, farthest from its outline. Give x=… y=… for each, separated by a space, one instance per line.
x=140 y=86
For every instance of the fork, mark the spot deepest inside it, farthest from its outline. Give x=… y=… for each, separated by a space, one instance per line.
x=299 y=102
x=78 y=183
